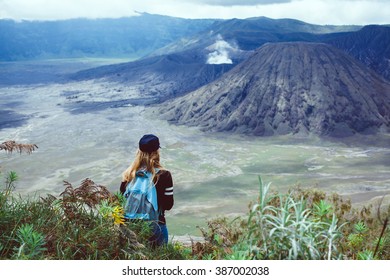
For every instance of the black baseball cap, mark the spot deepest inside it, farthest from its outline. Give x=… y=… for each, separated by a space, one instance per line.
x=149 y=143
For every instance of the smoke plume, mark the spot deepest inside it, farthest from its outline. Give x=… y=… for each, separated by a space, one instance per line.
x=219 y=52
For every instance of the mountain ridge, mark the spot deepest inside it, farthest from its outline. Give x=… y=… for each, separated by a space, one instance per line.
x=131 y=37
x=370 y=45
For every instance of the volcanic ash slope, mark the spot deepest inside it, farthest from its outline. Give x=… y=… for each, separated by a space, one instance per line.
x=288 y=88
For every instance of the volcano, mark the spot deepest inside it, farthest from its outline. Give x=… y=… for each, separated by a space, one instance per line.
x=289 y=88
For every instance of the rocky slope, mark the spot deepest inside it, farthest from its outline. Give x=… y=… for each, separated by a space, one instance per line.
x=370 y=45
x=161 y=77
x=288 y=88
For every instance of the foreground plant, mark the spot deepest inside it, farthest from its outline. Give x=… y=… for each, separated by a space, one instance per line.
x=31 y=243
x=10 y=183
x=308 y=224
x=86 y=222
x=11 y=146
x=282 y=227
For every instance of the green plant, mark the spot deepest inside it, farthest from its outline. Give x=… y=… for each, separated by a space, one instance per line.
x=120 y=198
x=220 y=236
x=10 y=183
x=239 y=252
x=31 y=243
x=365 y=255
x=356 y=240
x=322 y=210
x=283 y=227
x=113 y=211
x=384 y=222
x=360 y=228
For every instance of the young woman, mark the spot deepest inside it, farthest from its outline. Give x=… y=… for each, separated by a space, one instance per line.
x=148 y=159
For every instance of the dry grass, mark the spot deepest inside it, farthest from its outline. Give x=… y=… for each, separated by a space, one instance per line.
x=88 y=192
x=11 y=146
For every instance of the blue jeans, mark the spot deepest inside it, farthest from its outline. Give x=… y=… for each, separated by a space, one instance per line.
x=160 y=235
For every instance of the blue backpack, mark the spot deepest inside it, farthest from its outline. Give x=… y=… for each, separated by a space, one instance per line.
x=141 y=197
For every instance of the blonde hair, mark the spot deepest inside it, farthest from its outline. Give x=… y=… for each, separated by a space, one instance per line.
x=145 y=161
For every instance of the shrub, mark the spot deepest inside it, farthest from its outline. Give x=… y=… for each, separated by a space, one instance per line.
x=84 y=223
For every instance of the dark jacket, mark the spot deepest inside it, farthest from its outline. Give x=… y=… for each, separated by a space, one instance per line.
x=164 y=186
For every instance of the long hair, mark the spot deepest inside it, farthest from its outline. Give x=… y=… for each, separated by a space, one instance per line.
x=145 y=161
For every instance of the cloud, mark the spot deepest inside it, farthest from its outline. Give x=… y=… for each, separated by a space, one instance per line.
x=64 y=9
x=337 y=12
x=238 y=2
x=358 y=12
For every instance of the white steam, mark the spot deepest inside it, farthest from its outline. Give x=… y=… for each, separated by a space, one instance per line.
x=219 y=52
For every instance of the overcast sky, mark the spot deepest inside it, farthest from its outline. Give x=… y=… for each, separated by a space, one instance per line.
x=358 y=12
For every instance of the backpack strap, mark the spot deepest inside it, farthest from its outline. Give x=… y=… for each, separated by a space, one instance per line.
x=144 y=173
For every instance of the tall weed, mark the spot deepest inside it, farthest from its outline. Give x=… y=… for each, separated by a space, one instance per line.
x=283 y=227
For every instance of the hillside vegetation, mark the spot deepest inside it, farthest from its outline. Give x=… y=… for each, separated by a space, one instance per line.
x=87 y=222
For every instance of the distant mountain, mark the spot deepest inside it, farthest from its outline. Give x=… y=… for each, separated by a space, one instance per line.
x=160 y=77
x=288 y=88
x=370 y=45
x=188 y=64
x=131 y=37
x=251 y=33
